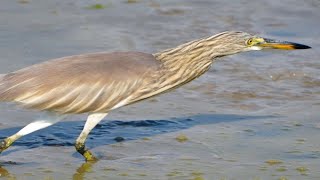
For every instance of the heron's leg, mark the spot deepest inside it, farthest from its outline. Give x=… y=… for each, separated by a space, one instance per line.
x=92 y=121
x=34 y=126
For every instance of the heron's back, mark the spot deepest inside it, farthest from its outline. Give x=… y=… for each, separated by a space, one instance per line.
x=76 y=84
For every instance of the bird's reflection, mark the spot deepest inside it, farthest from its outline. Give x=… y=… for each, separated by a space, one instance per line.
x=83 y=169
x=5 y=173
x=78 y=175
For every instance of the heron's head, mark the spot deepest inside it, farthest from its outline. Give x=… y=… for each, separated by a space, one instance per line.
x=232 y=42
x=222 y=44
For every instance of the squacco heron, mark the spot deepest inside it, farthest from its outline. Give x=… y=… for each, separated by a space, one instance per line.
x=100 y=82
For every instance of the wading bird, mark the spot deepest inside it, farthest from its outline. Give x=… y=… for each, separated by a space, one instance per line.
x=100 y=82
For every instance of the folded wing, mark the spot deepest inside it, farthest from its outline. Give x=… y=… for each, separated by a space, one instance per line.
x=77 y=84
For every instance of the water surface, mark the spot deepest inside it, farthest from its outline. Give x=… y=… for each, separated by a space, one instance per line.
x=252 y=116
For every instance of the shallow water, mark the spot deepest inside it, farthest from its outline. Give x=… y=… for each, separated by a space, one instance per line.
x=252 y=116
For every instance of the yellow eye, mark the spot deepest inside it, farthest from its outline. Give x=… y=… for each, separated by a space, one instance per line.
x=250 y=42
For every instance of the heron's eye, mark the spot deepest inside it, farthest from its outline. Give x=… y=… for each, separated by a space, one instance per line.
x=250 y=42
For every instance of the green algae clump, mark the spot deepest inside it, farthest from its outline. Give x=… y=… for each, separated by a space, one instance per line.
x=198 y=178
x=281 y=169
x=97 y=6
x=302 y=169
x=174 y=173
x=123 y=174
x=197 y=175
x=132 y=1
x=272 y=162
x=182 y=138
x=282 y=178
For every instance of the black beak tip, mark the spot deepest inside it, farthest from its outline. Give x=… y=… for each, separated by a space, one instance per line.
x=300 y=46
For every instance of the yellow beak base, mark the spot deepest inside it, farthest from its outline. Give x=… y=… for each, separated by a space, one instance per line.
x=284 y=45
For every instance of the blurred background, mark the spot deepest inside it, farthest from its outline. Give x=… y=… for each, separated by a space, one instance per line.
x=252 y=116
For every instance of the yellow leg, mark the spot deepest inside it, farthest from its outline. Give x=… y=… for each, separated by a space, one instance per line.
x=80 y=147
x=92 y=121
x=4 y=144
x=34 y=126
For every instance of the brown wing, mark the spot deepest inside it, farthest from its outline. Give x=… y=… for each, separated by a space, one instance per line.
x=76 y=84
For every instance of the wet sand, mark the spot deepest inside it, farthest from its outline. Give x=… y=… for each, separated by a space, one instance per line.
x=252 y=116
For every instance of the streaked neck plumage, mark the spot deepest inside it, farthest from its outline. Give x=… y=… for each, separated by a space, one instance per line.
x=186 y=62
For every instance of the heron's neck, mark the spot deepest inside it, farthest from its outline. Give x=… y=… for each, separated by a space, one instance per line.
x=179 y=66
x=198 y=51
x=193 y=57
x=184 y=63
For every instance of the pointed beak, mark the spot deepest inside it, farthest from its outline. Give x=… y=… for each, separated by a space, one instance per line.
x=284 y=45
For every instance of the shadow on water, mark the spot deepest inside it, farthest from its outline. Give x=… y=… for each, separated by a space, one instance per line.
x=108 y=132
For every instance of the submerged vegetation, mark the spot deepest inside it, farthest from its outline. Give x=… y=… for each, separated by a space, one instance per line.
x=182 y=138
x=97 y=6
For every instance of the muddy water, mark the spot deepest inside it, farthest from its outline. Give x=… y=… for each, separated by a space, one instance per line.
x=252 y=116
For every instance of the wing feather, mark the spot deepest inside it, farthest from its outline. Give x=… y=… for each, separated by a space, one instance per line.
x=78 y=84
